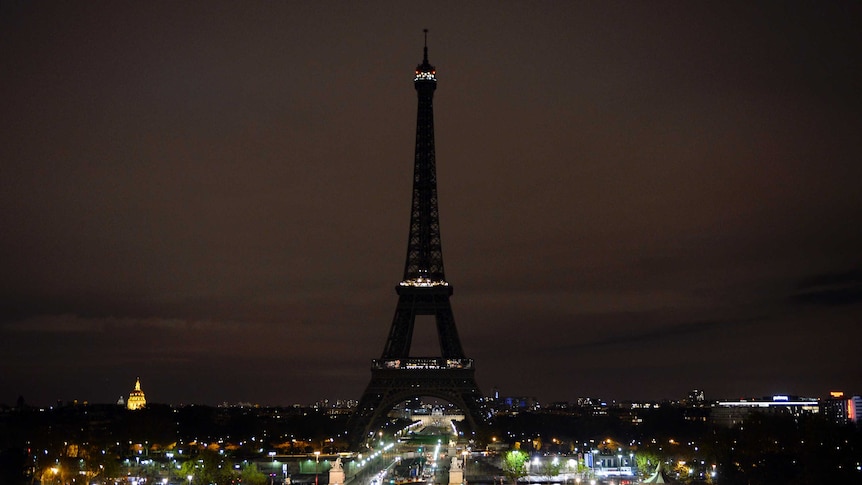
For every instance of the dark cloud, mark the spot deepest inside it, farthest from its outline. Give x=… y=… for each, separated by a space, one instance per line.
x=654 y=336
x=842 y=288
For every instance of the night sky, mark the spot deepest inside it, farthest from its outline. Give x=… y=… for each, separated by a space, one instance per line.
x=637 y=198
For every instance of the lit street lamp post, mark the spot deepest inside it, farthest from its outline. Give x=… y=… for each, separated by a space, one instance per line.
x=170 y=464
x=316 y=466
x=465 y=454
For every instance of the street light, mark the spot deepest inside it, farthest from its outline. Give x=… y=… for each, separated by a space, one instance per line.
x=271 y=455
x=170 y=456
x=465 y=454
x=316 y=466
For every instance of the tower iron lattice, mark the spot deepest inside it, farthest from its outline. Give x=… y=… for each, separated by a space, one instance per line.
x=397 y=376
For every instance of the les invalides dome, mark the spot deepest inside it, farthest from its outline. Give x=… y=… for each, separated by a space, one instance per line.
x=137 y=400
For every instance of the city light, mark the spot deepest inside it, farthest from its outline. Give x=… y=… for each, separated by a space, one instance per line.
x=425 y=76
x=422 y=282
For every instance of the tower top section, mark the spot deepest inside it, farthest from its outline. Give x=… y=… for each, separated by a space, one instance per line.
x=424 y=265
x=425 y=71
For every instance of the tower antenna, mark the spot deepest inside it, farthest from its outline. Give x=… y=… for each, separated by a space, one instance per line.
x=426 y=46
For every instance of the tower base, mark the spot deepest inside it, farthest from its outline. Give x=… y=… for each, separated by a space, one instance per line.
x=396 y=381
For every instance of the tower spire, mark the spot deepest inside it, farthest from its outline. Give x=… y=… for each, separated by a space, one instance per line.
x=425 y=71
x=426 y=46
x=424 y=265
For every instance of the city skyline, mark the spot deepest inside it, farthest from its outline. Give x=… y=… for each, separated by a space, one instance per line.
x=636 y=200
x=695 y=397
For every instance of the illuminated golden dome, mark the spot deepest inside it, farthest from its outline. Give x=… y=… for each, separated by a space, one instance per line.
x=136 y=397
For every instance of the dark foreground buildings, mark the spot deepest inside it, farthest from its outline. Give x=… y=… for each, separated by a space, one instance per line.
x=81 y=443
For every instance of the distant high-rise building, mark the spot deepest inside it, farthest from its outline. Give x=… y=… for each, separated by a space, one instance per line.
x=520 y=403
x=696 y=398
x=137 y=400
x=835 y=408
x=731 y=413
x=854 y=410
x=842 y=409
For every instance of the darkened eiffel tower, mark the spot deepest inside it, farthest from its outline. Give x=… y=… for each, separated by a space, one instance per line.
x=397 y=376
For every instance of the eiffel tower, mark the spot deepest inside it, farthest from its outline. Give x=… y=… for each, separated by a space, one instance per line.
x=397 y=376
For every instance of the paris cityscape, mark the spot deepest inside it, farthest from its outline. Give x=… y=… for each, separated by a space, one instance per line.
x=696 y=439
x=653 y=213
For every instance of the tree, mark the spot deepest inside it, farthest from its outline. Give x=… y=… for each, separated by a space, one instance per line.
x=550 y=468
x=250 y=475
x=188 y=468
x=214 y=469
x=646 y=462
x=515 y=465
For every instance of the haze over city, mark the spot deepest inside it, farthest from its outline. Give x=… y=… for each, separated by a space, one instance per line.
x=636 y=199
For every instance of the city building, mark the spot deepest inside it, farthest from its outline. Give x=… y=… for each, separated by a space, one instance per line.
x=835 y=407
x=841 y=409
x=696 y=398
x=137 y=400
x=731 y=413
x=854 y=408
